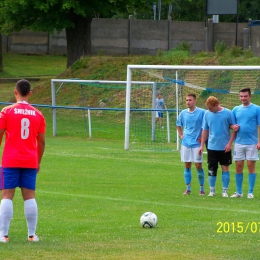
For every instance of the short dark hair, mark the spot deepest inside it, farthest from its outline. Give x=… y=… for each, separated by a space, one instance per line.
x=247 y=89
x=23 y=87
x=191 y=95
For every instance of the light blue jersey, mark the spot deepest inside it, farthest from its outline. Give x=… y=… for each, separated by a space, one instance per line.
x=192 y=126
x=159 y=103
x=248 y=119
x=218 y=126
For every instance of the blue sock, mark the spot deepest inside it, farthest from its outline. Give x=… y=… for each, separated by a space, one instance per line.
x=239 y=181
x=212 y=182
x=251 y=182
x=201 y=179
x=187 y=177
x=225 y=180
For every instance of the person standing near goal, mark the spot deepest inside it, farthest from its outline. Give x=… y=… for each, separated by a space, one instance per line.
x=24 y=127
x=246 y=145
x=216 y=126
x=159 y=105
x=189 y=126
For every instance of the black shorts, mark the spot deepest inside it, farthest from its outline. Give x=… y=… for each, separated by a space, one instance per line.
x=221 y=157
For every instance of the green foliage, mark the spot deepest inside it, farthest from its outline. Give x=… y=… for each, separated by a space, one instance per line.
x=220 y=79
x=1 y=54
x=220 y=47
x=100 y=52
x=235 y=51
x=175 y=56
x=201 y=54
x=73 y=15
x=22 y=65
x=187 y=10
x=179 y=53
x=43 y=16
x=183 y=46
x=160 y=53
x=80 y=64
x=248 y=53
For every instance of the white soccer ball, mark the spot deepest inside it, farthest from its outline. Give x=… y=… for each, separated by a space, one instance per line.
x=148 y=220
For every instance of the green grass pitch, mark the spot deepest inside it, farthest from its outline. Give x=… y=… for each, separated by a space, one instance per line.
x=92 y=193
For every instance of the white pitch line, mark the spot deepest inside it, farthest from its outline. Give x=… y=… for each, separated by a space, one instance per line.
x=150 y=202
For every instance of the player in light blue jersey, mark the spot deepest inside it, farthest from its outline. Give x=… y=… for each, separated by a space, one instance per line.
x=246 y=145
x=189 y=125
x=159 y=105
x=216 y=126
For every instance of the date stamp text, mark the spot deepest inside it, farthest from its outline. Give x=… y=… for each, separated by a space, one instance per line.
x=239 y=227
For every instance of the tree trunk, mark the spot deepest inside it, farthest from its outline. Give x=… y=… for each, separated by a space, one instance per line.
x=1 y=54
x=78 y=38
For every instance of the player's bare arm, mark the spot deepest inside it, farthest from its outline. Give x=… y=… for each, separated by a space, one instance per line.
x=2 y=131
x=234 y=127
x=204 y=138
x=40 y=147
x=180 y=133
x=231 y=140
x=258 y=144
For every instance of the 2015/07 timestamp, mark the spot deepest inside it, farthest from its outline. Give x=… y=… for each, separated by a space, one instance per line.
x=239 y=227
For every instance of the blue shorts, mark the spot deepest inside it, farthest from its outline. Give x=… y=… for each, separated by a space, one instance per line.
x=159 y=114
x=10 y=178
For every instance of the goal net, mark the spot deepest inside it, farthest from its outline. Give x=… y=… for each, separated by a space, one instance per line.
x=93 y=108
x=174 y=82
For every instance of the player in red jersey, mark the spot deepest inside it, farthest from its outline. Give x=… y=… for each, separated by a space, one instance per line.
x=24 y=128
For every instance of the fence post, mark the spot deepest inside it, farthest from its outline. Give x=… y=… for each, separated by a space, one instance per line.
x=210 y=37
x=169 y=33
x=89 y=124
x=168 y=126
x=130 y=33
x=246 y=38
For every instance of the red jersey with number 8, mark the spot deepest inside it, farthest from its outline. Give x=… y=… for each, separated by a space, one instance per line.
x=22 y=124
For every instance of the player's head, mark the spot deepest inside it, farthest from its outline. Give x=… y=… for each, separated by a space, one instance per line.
x=23 y=87
x=212 y=103
x=191 y=95
x=245 y=95
x=243 y=90
x=191 y=100
x=159 y=95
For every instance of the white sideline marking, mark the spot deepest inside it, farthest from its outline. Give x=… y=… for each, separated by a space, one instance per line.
x=149 y=202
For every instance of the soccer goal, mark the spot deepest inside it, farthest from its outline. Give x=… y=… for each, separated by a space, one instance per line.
x=175 y=82
x=96 y=108
x=93 y=108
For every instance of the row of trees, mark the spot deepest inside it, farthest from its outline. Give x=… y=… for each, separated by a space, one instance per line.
x=76 y=16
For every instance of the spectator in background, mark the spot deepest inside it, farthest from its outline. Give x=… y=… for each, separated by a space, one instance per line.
x=159 y=105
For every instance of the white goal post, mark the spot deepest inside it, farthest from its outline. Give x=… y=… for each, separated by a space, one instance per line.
x=174 y=79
